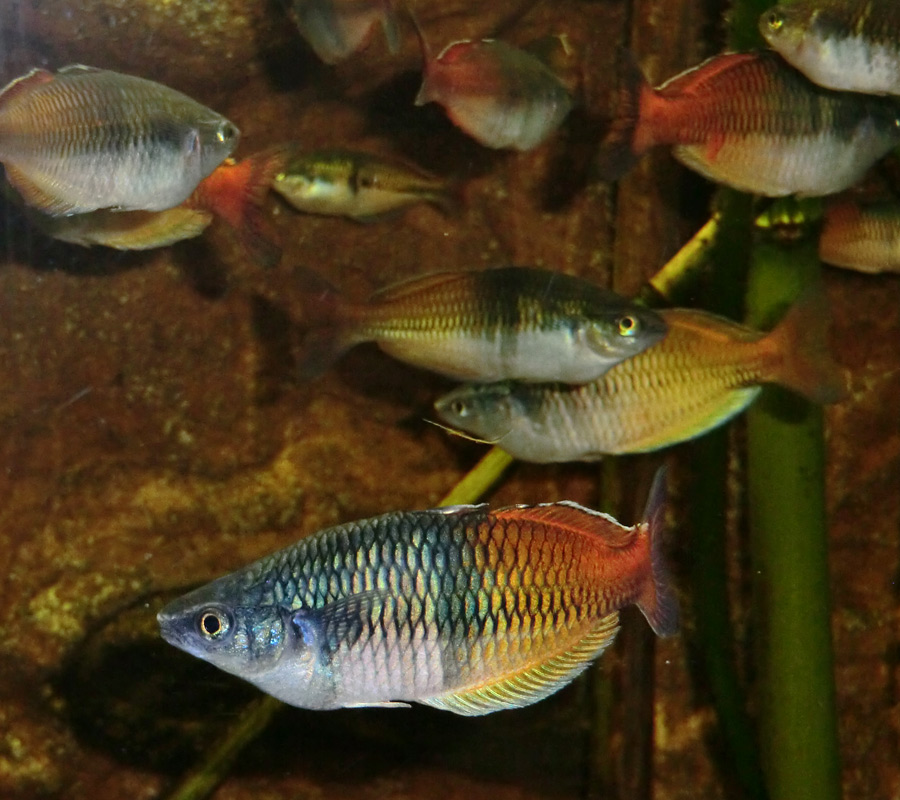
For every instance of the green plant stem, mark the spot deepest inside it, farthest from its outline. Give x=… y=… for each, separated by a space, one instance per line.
x=789 y=541
x=713 y=635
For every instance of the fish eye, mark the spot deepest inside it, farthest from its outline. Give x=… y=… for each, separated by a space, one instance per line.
x=213 y=623
x=628 y=325
x=459 y=408
x=775 y=20
x=226 y=133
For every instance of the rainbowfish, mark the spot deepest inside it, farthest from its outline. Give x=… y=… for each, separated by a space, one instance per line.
x=234 y=192
x=513 y=322
x=461 y=608
x=501 y=96
x=864 y=238
x=706 y=370
x=852 y=45
x=752 y=122
x=357 y=185
x=336 y=29
x=86 y=138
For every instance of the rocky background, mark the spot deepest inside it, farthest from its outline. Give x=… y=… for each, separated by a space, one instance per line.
x=153 y=434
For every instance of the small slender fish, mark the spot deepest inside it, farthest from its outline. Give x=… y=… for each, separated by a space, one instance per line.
x=357 y=185
x=864 y=238
x=86 y=138
x=513 y=322
x=462 y=608
x=851 y=45
x=336 y=29
x=706 y=370
x=752 y=122
x=234 y=192
x=501 y=96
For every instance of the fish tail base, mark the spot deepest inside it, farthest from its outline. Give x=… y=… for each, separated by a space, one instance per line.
x=658 y=603
x=618 y=152
x=807 y=366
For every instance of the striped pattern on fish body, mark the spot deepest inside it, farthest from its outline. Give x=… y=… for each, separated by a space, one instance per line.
x=849 y=45
x=86 y=139
x=463 y=608
x=752 y=122
x=864 y=238
x=356 y=185
x=704 y=372
x=512 y=322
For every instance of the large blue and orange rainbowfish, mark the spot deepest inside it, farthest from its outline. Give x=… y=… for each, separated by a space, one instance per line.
x=460 y=608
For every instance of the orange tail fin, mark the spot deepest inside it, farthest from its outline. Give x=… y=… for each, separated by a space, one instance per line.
x=657 y=602
x=806 y=366
x=237 y=193
x=618 y=151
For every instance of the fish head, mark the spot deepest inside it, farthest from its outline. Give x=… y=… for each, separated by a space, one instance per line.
x=215 y=623
x=211 y=142
x=623 y=333
x=487 y=411
x=787 y=28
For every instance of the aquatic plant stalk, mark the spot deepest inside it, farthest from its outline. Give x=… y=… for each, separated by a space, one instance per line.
x=201 y=781
x=684 y=265
x=713 y=633
x=789 y=544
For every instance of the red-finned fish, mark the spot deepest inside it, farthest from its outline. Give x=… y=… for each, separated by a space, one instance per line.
x=865 y=238
x=499 y=95
x=752 y=122
x=86 y=138
x=357 y=185
x=336 y=29
x=234 y=192
x=512 y=322
x=462 y=608
x=706 y=370
x=851 y=45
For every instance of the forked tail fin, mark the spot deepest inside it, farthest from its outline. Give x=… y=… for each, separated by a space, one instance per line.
x=327 y=317
x=619 y=151
x=805 y=365
x=237 y=193
x=658 y=602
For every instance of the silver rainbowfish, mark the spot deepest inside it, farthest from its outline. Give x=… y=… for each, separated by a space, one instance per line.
x=512 y=322
x=463 y=608
x=85 y=139
x=706 y=370
x=851 y=45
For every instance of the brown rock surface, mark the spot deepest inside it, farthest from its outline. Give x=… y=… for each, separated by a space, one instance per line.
x=153 y=434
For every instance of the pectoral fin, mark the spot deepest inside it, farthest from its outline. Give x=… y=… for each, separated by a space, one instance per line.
x=532 y=683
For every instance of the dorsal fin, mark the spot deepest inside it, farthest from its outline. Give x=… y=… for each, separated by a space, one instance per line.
x=572 y=516
x=532 y=683
x=74 y=69
x=418 y=285
x=23 y=84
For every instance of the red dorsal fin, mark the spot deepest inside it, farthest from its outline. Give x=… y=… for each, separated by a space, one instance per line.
x=24 y=84
x=697 y=80
x=574 y=517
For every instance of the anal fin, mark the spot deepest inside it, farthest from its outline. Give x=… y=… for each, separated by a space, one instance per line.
x=532 y=683
x=38 y=197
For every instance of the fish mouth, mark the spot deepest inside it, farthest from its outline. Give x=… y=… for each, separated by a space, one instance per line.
x=172 y=628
